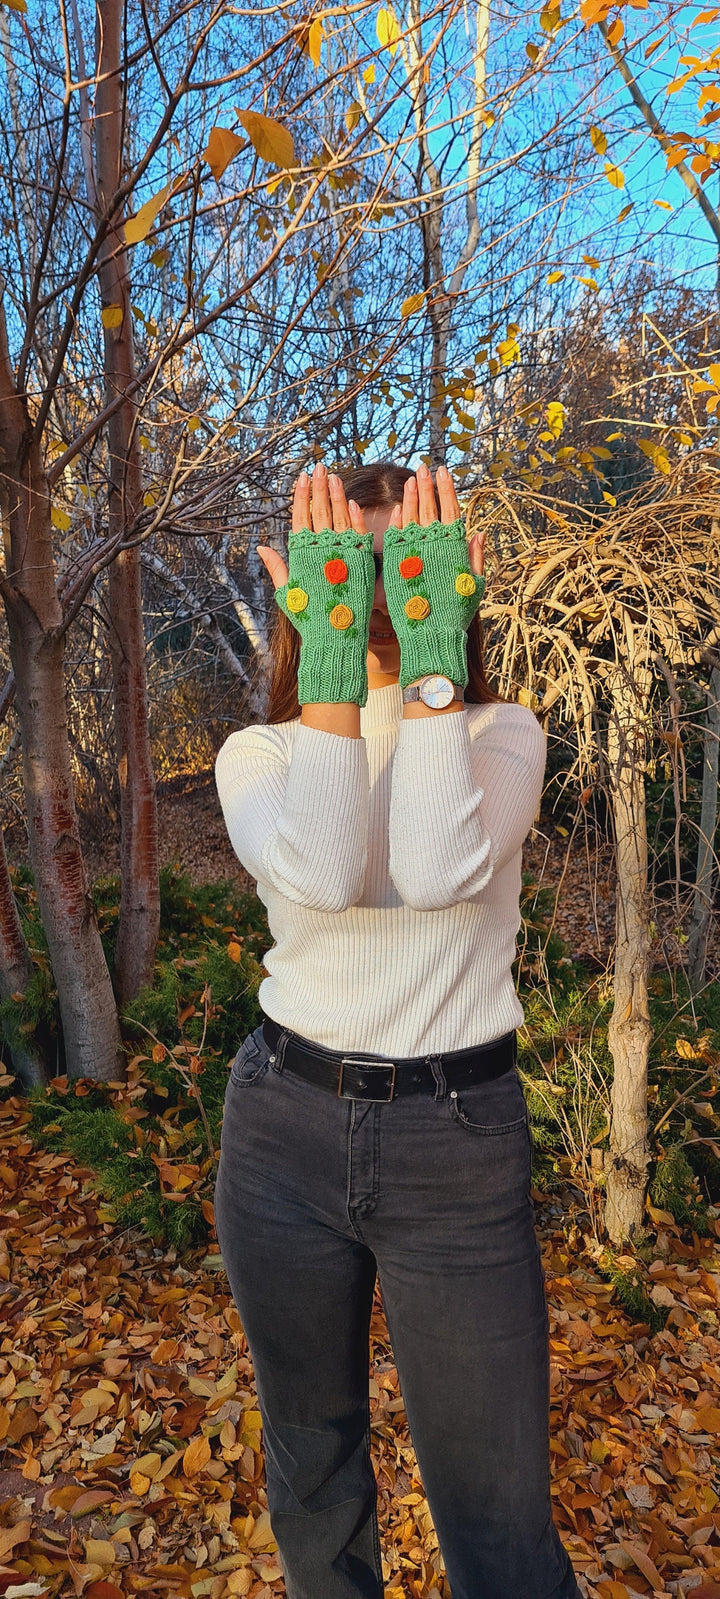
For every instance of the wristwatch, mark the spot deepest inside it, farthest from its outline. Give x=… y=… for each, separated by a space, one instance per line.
x=435 y=691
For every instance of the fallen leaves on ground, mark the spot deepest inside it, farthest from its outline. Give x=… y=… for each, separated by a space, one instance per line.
x=132 y=1442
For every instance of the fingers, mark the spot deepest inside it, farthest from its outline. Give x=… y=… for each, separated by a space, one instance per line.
x=426 y=497
x=449 y=508
x=396 y=517
x=410 y=502
x=301 y=504
x=321 y=510
x=357 y=517
x=274 y=563
x=340 y=514
x=476 y=553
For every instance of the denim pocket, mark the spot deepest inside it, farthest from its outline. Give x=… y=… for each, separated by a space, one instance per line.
x=251 y=1062
x=493 y=1109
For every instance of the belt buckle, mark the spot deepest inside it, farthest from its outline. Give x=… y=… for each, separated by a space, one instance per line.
x=365 y=1066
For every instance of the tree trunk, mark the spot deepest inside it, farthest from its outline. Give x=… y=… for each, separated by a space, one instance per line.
x=139 y=923
x=442 y=296
x=704 y=877
x=15 y=972
x=630 y=1028
x=34 y=615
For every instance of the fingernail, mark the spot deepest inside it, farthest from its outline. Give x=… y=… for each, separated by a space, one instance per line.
x=353 y=505
x=320 y=469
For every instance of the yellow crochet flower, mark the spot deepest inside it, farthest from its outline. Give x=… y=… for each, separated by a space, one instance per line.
x=417 y=608
x=296 y=600
x=340 y=617
x=465 y=584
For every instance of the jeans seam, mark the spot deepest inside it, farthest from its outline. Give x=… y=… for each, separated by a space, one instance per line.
x=377 y=1551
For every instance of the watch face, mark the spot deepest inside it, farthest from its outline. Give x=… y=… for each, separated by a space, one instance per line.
x=437 y=692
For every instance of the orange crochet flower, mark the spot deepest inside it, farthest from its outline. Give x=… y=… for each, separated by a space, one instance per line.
x=335 y=570
x=340 y=617
x=417 y=608
x=412 y=566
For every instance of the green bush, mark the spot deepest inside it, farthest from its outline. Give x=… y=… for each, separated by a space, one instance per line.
x=181 y=1035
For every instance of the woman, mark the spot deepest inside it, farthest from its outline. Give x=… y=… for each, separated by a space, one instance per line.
x=375 y=1122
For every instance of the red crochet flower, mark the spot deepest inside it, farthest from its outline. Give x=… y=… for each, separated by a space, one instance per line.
x=336 y=570
x=412 y=566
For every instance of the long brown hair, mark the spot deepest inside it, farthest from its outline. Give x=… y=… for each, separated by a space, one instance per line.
x=380 y=485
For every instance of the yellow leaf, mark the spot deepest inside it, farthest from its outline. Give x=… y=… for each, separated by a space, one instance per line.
x=314 y=41
x=413 y=303
x=550 y=20
x=685 y=1048
x=714 y=372
x=614 y=175
x=138 y=227
x=659 y=1216
x=555 y=417
x=664 y=203
x=261 y=1536
x=369 y=73
x=269 y=138
x=220 y=150
x=533 y=51
x=591 y=284
x=352 y=116
x=193 y=424
x=100 y=1551
x=625 y=212
x=159 y=257
x=708 y=1417
x=196 y=1456
x=112 y=316
x=60 y=519
x=609 y=498
x=616 y=31
x=527 y=697
x=508 y=351
x=149 y=1465
x=234 y=952
x=555 y=277
x=598 y=140
x=16 y=5
x=387 y=29
x=138 y=1483
x=159 y=1052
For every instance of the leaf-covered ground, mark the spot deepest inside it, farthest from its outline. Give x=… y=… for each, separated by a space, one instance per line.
x=132 y=1447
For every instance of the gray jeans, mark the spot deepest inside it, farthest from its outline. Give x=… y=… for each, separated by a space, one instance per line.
x=315 y=1196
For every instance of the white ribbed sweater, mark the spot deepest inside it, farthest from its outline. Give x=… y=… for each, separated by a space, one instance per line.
x=390 y=868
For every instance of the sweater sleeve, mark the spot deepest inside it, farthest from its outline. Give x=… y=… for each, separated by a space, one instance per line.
x=465 y=791
x=298 y=821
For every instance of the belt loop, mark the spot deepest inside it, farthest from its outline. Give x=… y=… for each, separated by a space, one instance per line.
x=278 y=1059
x=438 y=1074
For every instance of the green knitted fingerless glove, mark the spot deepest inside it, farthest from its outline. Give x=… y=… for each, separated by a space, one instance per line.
x=432 y=597
x=328 y=598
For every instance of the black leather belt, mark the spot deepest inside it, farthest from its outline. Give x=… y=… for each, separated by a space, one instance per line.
x=358 y=1076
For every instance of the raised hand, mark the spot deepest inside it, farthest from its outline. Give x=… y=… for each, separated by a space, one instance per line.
x=433 y=579
x=326 y=590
